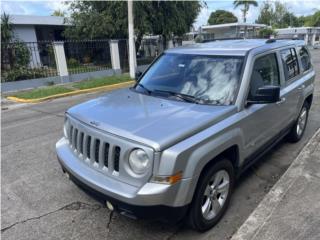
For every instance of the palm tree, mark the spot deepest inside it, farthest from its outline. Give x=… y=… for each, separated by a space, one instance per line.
x=246 y=5
x=6 y=28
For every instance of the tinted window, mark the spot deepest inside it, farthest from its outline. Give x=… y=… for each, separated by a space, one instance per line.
x=209 y=79
x=305 y=59
x=265 y=72
x=290 y=63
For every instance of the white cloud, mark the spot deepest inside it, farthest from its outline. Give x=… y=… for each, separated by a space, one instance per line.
x=33 y=7
x=203 y=17
x=58 y=5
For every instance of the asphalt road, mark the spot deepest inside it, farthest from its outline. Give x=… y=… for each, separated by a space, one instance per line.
x=38 y=202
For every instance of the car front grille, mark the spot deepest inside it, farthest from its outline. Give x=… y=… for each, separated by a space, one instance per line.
x=98 y=153
x=104 y=152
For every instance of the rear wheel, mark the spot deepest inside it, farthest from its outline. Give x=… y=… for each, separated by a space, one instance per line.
x=299 y=127
x=212 y=196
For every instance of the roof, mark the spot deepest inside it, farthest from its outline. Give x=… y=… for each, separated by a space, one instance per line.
x=225 y=25
x=232 y=47
x=37 y=20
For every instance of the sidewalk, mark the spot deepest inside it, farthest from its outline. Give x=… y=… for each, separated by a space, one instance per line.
x=291 y=210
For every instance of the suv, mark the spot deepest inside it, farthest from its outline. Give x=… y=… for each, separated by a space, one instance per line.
x=172 y=146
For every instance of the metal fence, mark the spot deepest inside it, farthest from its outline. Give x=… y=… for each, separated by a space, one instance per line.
x=32 y=60
x=27 y=60
x=123 y=54
x=87 y=56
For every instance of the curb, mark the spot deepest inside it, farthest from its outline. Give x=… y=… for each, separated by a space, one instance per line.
x=258 y=218
x=76 y=92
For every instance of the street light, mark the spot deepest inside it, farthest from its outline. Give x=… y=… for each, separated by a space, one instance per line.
x=132 y=50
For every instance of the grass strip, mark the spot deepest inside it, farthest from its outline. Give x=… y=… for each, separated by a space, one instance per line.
x=42 y=92
x=98 y=82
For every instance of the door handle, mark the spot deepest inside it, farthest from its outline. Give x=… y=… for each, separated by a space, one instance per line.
x=282 y=100
x=301 y=87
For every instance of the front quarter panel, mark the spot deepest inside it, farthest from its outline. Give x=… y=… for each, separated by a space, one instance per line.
x=191 y=155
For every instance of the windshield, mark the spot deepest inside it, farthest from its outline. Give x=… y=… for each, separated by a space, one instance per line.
x=197 y=78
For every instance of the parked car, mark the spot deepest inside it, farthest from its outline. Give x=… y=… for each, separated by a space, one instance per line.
x=172 y=146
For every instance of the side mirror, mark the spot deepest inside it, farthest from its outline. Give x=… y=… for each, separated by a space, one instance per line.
x=265 y=94
x=138 y=75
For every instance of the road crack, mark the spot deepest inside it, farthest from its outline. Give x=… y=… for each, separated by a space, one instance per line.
x=75 y=206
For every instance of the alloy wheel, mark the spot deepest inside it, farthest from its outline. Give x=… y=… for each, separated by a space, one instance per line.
x=215 y=194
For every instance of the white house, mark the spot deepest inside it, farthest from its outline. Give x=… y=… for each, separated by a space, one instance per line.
x=37 y=28
x=311 y=35
x=33 y=30
x=231 y=30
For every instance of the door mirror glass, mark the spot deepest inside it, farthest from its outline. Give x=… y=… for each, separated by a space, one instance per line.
x=265 y=94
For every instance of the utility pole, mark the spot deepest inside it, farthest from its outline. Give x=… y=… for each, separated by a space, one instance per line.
x=132 y=50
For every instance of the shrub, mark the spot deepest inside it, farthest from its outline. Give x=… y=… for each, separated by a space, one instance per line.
x=21 y=54
x=22 y=73
x=266 y=33
x=72 y=62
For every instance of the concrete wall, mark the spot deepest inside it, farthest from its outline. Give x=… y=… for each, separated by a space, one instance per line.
x=27 y=33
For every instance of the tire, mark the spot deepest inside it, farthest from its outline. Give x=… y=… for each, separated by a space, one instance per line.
x=298 y=129
x=202 y=215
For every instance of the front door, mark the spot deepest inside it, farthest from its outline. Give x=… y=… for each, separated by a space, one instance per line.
x=263 y=121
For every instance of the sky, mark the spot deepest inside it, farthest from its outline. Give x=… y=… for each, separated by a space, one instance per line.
x=46 y=8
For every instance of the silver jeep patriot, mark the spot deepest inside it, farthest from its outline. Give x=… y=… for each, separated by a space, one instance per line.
x=172 y=146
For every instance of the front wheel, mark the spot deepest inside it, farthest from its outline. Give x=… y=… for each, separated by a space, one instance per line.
x=299 y=127
x=212 y=196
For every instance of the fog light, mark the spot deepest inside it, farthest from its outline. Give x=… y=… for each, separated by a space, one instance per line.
x=67 y=175
x=109 y=206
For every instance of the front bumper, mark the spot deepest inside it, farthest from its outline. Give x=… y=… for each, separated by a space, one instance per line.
x=137 y=201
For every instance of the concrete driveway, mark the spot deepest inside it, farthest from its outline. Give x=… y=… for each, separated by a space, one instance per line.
x=38 y=202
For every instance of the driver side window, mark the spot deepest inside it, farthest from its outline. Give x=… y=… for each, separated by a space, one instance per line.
x=265 y=72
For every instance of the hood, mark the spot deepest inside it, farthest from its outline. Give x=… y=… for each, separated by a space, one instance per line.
x=150 y=120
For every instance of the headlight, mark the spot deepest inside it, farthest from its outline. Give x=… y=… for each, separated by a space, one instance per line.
x=139 y=161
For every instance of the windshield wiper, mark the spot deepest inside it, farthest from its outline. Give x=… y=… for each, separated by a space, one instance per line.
x=184 y=97
x=144 y=88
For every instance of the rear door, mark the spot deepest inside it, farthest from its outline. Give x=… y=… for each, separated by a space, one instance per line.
x=292 y=85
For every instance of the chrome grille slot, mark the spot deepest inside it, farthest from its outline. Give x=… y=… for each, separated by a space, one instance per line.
x=117 y=151
x=75 y=138
x=81 y=142
x=96 y=150
x=70 y=135
x=106 y=154
x=88 y=147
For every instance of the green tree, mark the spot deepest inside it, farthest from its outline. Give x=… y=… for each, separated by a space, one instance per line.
x=246 y=6
x=277 y=15
x=108 y=19
x=313 y=20
x=222 y=16
x=289 y=19
x=280 y=10
x=168 y=18
x=266 y=14
x=58 y=13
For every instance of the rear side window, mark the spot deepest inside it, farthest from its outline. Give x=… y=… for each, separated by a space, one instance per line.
x=305 y=59
x=290 y=63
